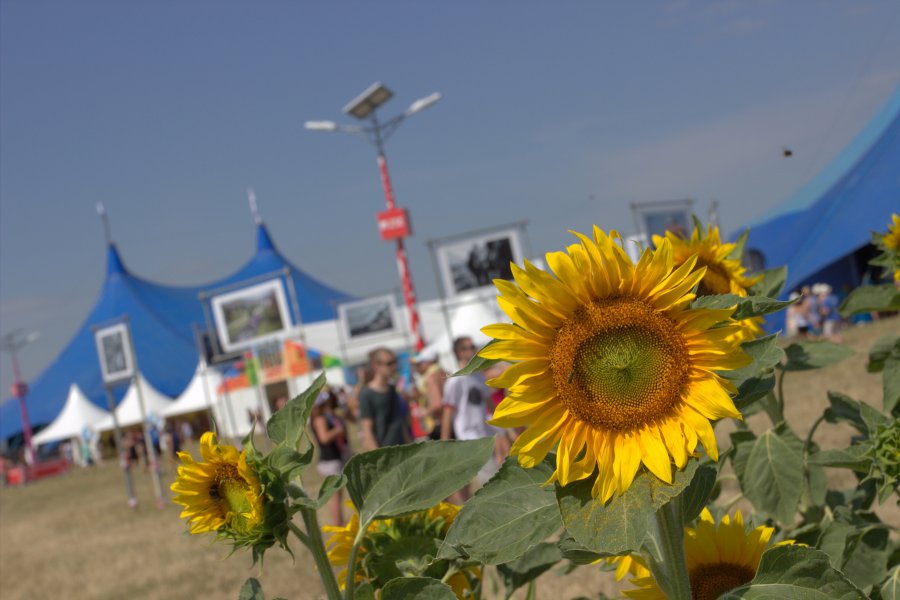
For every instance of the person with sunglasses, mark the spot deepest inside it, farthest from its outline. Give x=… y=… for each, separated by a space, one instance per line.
x=382 y=415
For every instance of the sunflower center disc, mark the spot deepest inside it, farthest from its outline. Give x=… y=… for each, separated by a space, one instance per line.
x=716 y=281
x=230 y=489
x=708 y=582
x=619 y=364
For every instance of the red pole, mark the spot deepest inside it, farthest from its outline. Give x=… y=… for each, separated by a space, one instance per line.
x=409 y=292
x=20 y=392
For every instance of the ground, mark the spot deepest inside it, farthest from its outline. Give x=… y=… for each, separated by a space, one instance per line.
x=73 y=535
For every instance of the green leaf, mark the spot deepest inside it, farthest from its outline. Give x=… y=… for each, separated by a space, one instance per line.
x=288 y=462
x=890 y=590
x=747 y=307
x=865 y=556
x=883 y=348
x=365 y=591
x=853 y=457
x=758 y=378
x=618 y=526
x=891 y=383
x=871 y=298
x=742 y=442
x=398 y=480
x=697 y=494
x=416 y=588
x=845 y=409
x=477 y=363
x=288 y=425
x=331 y=485
x=771 y=284
x=528 y=567
x=510 y=514
x=803 y=356
x=738 y=252
x=773 y=478
x=251 y=590
x=575 y=552
x=796 y=573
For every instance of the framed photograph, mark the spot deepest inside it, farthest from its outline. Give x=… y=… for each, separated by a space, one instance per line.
x=369 y=317
x=114 y=352
x=474 y=262
x=656 y=218
x=251 y=315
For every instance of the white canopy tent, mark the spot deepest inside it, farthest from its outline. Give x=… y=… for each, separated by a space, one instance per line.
x=200 y=394
x=129 y=410
x=77 y=413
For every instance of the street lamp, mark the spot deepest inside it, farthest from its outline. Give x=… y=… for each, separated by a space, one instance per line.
x=393 y=223
x=11 y=342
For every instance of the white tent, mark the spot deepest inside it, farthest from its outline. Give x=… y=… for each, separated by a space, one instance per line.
x=77 y=413
x=129 y=410
x=200 y=394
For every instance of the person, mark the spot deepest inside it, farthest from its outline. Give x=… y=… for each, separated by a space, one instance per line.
x=427 y=407
x=828 y=304
x=382 y=417
x=466 y=399
x=330 y=435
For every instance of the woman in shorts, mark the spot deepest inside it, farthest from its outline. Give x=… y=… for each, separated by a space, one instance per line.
x=331 y=439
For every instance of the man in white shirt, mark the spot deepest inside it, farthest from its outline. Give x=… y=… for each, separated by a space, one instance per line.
x=466 y=400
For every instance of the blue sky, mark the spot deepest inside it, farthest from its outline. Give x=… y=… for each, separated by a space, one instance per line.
x=558 y=113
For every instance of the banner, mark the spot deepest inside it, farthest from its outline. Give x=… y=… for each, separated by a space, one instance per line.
x=274 y=361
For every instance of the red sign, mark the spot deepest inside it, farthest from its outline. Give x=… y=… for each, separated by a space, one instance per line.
x=393 y=223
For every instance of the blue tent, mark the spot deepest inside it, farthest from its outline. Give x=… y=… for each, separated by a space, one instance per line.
x=818 y=232
x=162 y=320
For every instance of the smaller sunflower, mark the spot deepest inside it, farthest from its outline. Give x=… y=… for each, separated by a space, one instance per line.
x=892 y=237
x=221 y=492
x=724 y=275
x=399 y=547
x=719 y=558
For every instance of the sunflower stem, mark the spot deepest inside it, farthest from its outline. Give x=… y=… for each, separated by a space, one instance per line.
x=300 y=535
x=350 y=585
x=317 y=546
x=677 y=584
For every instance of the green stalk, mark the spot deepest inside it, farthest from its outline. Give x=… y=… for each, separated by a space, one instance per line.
x=317 y=546
x=674 y=565
x=350 y=585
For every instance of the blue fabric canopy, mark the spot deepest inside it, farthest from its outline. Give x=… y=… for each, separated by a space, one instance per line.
x=162 y=320
x=835 y=214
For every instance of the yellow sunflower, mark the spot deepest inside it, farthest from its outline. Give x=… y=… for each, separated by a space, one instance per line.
x=892 y=237
x=614 y=365
x=221 y=491
x=405 y=539
x=718 y=558
x=723 y=275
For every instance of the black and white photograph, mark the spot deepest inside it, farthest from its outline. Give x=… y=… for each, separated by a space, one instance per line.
x=656 y=218
x=372 y=316
x=251 y=315
x=114 y=352
x=475 y=262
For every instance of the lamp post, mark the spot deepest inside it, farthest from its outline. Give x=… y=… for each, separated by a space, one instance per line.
x=393 y=223
x=11 y=342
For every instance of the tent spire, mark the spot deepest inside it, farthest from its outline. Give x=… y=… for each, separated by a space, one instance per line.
x=101 y=210
x=254 y=209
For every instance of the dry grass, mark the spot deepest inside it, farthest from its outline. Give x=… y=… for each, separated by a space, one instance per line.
x=73 y=536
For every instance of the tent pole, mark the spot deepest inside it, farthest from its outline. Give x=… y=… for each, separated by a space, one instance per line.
x=120 y=451
x=152 y=459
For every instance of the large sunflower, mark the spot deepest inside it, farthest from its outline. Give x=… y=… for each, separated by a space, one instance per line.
x=718 y=558
x=615 y=366
x=221 y=491
x=724 y=275
x=396 y=547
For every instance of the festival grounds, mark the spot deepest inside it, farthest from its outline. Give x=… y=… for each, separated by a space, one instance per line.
x=72 y=536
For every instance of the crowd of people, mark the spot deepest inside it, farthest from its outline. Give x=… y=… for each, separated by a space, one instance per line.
x=388 y=413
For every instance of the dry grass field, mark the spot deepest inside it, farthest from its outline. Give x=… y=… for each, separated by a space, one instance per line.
x=72 y=536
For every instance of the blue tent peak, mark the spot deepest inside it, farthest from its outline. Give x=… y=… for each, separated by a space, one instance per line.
x=263 y=240
x=114 y=264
